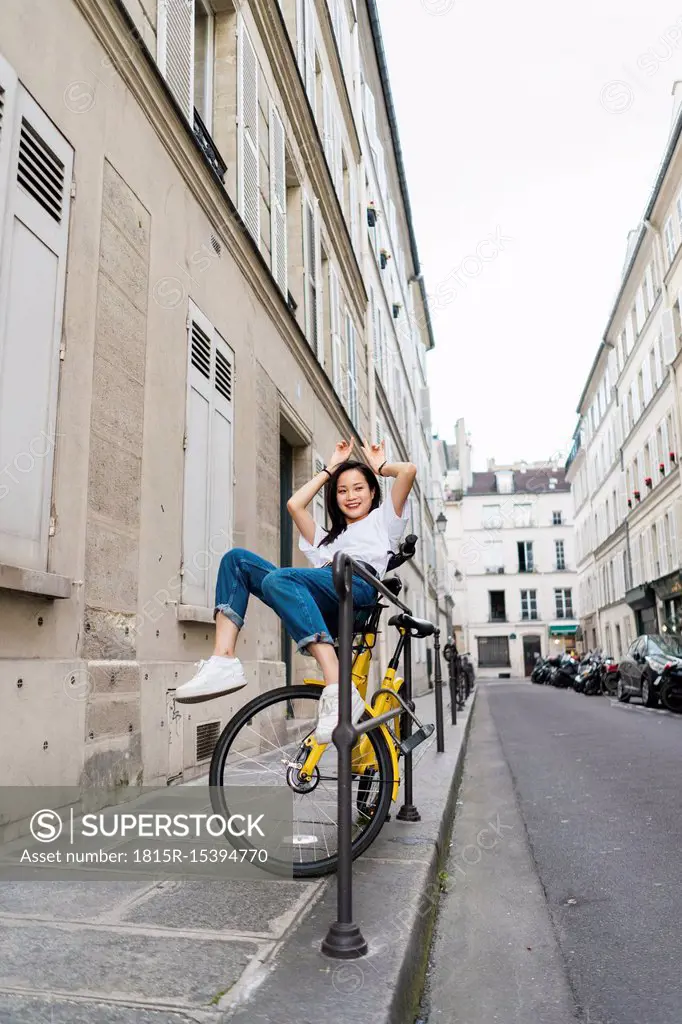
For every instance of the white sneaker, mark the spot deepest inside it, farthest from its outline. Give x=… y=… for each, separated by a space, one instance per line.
x=215 y=677
x=328 y=713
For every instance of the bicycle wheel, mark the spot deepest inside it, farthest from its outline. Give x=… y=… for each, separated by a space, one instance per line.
x=259 y=746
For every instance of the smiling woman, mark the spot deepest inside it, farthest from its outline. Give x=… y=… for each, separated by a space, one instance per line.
x=305 y=599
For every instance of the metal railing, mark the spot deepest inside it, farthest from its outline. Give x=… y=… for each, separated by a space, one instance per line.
x=344 y=940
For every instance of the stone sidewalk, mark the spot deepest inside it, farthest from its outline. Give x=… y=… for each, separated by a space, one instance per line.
x=172 y=952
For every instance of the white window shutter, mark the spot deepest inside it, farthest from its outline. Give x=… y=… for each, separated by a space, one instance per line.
x=247 y=136
x=207 y=505
x=659 y=362
x=647 y=382
x=319 y=511
x=338 y=159
x=310 y=50
x=335 y=322
x=32 y=286
x=352 y=381
x=327 y=125
x=8 y=100
x=668 y=331
x=635 y=402
x=319 y=288
x=175 y=50
x=278 y=199
x=674 y=550
x=353 y=199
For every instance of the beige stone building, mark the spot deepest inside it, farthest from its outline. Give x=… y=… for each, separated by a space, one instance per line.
x=194 y=307
x=625 y=463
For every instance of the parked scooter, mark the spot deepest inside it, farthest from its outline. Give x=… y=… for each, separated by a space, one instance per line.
x=670 y=687
x=564 y=673
x=610 y=674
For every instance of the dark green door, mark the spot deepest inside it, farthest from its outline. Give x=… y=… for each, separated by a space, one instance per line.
x=286 y=532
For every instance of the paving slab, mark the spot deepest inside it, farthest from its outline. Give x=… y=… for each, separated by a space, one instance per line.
x=102 y=961
x=68 y=901
x=238 y=905
x=15 y=1009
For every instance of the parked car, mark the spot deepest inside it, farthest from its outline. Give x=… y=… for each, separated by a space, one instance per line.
x=641 y=669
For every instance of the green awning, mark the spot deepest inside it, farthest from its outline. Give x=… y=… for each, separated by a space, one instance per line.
x=565 y=629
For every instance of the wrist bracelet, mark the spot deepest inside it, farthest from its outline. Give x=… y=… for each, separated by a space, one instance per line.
x=325 y=470
x=382 y=466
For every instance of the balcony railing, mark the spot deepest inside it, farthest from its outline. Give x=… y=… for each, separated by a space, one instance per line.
x=529 y=616
x=203 y=137
x=494 y=617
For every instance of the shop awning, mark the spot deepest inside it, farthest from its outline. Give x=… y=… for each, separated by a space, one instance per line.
x=564 y=629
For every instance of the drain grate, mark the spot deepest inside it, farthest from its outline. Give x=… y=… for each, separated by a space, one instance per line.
x=206 y=739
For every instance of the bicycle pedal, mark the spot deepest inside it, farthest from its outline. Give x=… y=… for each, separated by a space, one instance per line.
x=410 y=742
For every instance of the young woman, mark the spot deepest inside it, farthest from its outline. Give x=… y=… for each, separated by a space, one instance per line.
x=305 y=599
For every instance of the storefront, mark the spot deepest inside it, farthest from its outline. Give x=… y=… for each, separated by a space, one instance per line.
x=668 y=590
x=642 y=600
x=562 y=637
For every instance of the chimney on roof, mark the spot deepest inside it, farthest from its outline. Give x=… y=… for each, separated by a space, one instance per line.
x=491 y=465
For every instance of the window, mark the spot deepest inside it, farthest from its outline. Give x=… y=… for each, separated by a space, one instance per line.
x=207 y=505
x=493 y=652
x=335 y=327
x=564 y=603
x=669 y=236
x=556 y=519
x=525 y=553
x=523 y=514
x=493 y=556
x=312 y=272
x=492 y=520
x=248 y=154
x=505 y=482
x=559 y=554
x=497 y=610
x=36 y=165
x=529 y=604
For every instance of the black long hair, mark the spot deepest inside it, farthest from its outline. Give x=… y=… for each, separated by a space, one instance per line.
x=336 y=516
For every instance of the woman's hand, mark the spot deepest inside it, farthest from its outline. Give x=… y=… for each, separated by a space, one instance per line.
x=375 y=454
x=341 y=453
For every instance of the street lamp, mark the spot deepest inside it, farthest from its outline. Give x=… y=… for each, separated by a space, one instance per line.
x=442 y=523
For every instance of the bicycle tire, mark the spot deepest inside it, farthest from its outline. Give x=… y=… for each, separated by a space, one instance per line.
x=324 y=866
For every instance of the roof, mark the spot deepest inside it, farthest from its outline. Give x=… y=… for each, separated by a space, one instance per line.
x=533 y=481
x=377 y=38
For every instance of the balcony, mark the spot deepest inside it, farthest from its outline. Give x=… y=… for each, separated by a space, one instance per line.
x=494 y=568
x=529 y=617
x=203 y=137
x=497 y=618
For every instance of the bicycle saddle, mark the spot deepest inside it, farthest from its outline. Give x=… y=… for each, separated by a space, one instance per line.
x=417 y=627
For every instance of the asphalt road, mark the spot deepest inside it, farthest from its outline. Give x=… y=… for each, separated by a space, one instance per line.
x=575 y=913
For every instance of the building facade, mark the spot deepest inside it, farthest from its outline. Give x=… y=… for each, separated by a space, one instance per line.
x=510 y=536
x=208 y=274
x=624 y=466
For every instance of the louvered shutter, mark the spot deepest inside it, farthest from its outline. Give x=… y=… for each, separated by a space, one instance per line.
x=381 y=367
x=674 y=550
x=335 y=322
x=338 y=158
x=646 y=379
x=370 y=113
x=248 y=153
x=310 y=50
x=635 y=403
x=663 y=544
x=175 y=50
x=659 y=362
x=319 y=287
x=207 y=506
x=327 y=125
x=640 y=309
x=32 y=286
x=8 y=99
x=311 y=262
x=353 y=200
x=319 y=512
x=351 y=371
x=278 y=197
x=375 y=336
x=668 y=332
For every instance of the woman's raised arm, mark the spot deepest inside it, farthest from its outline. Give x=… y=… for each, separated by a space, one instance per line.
x=403 y=472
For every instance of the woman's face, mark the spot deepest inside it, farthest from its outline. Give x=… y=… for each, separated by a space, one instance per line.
x=353 y=495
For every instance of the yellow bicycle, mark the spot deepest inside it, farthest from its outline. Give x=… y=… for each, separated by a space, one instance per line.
x=270 y=742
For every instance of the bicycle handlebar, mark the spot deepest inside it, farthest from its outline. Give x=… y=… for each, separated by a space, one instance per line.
x=405 y=551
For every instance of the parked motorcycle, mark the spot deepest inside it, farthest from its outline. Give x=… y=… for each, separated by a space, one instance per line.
x=564 y=672
x=609 y=674
x=670 y=687
x=541 y=671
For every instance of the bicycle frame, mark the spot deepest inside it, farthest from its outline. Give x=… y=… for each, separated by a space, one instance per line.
x=363 y=758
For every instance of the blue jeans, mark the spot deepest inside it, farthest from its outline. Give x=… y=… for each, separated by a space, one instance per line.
x=304 y=599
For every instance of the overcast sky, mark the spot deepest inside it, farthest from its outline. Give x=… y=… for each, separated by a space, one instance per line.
x=546 y=127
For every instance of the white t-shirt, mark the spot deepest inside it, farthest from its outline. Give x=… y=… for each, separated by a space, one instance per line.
x=368 y=540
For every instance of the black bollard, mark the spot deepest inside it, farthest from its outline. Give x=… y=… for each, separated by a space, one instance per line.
x=408 y=812
x=438 y=683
